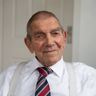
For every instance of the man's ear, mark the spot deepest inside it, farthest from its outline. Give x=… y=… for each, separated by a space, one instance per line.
x=29 y=45
x=65 y=36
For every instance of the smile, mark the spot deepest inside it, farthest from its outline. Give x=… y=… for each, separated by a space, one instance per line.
x=49 y=51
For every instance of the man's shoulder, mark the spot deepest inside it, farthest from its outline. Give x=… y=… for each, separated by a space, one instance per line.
x=6 y=76
x=84 y=69
x=14 y=66
x=11 y=69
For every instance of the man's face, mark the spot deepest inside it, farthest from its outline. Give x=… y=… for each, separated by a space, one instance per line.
x=47 y=41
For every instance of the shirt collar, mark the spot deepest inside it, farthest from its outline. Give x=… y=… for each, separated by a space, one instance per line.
x=35 y=65
x=58 y=68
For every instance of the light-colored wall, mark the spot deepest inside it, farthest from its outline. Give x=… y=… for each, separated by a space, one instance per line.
x=84 y=32
x=68 y=21
x=1 y=33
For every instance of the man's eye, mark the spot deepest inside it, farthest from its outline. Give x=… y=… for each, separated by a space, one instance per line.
x=55 y=33
x=39 y=36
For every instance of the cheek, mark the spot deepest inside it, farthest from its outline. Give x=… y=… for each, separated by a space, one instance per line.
x=60 y=42
x=37 y=46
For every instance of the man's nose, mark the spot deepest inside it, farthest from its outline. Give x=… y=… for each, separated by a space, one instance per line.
x=49 y=41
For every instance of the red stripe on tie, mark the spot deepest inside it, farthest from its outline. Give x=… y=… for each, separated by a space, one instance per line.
x=42 y=71
x=49 y=70
x=44 y=91
x=39 y=77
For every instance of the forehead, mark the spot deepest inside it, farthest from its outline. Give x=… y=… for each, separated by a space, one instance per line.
x=44 y=24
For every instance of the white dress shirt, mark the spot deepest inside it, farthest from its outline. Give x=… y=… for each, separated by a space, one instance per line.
x=58 y=80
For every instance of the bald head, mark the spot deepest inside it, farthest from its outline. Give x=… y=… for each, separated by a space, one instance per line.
x=39 y=15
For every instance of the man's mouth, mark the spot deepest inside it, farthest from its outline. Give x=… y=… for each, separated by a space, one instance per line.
x=49 y=51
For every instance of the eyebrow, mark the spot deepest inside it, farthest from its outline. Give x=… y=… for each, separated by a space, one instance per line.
x=38 y=32
x=42 y=32
x=56 y=29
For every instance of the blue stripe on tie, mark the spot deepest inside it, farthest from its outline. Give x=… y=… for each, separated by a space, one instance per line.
x=45 y=69
x=42 y=86
x=48 y=94
x=41 y=78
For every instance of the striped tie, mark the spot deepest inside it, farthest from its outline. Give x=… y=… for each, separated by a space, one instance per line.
x=42 y=86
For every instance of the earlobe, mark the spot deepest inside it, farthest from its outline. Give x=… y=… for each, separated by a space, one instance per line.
x=29 y=45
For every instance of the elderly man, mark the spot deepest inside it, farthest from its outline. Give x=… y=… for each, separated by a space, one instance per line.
x=47 y=74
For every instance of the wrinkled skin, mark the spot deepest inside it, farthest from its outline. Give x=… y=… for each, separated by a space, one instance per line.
x=47 y=41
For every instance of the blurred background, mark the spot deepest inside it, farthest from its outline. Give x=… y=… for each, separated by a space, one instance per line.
x=77 y=17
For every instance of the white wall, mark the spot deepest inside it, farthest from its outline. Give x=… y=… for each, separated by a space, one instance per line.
x=1 y=22
x=68 y=21
x=84 y=32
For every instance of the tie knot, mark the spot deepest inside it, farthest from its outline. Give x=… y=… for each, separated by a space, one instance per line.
x=44 y=71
